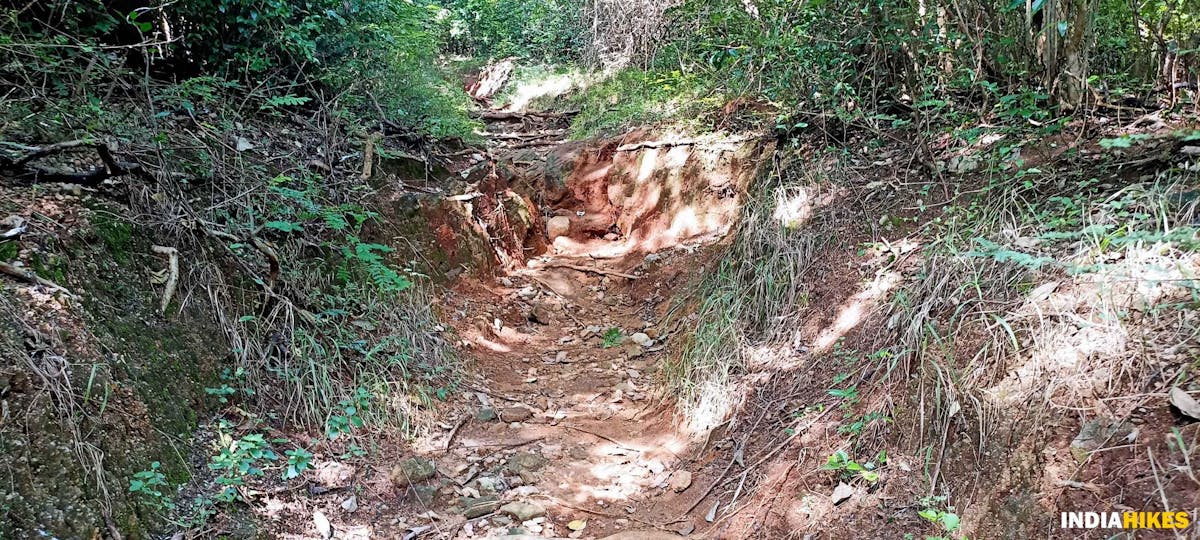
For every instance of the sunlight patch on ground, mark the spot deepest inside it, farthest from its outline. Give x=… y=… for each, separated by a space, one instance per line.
x=855 y=309
x=550 y=87
x=1097 y=330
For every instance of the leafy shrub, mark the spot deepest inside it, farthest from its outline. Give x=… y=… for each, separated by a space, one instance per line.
x=150 y=485
x=545 y=30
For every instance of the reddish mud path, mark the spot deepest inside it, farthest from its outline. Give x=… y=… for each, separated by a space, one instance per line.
x=578 y=435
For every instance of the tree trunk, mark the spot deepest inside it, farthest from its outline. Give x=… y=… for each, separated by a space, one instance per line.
x=1068 y=31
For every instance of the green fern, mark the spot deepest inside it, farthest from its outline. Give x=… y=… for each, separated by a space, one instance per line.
x=368 y=258
x=284 y=101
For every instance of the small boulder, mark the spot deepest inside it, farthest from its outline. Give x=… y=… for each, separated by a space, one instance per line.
x=516 y=414
x=411 y=471
x=642 y=339
x=558 y=226
x=525 y=462
x=523 y=511
x=680 y=480
x=474 y=507
x=842 y=492
x=540 y=315
x=485 y=415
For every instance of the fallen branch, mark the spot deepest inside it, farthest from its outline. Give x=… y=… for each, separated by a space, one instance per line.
x=720 y=481
x=633 y=147
x=453 y=432
x=609 y=439
x=502 y=115
x=590 y=269
x=29 y=276
x=172 y=255
x=24 y=170
x=523 y=136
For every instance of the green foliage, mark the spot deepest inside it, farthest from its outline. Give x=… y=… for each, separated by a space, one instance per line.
x=841 y=463
x=115 y=233
x=641 y=97
x=375 y=54
x=935 y=512
x=8 y=250
x=232 y=383
x=350 y=414
x=611 y=337
x=545 y=30
x=849 y=394
x=369 y=259
x=150 y=486
x=242 y=459
x=298 y=461
x=296 y=205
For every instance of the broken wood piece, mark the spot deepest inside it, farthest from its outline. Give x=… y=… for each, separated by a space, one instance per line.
x=28 y=276
x=172 y=255
x=17 y=226
x=369 y=154
x=491 y=79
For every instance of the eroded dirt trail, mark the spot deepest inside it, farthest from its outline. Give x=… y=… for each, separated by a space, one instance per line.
x=566 y=427
x=566 y=436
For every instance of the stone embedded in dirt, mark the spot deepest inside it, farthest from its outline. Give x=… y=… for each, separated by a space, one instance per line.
x=590 y=331
x=539 y=314
x=633 y=350
x=1185 y=403
x=516 y=414
x=642 y=339
x=524 y=462
x=474 y=507
x=523 y=511
x=411 y=471
x=687 y=528
x=351 y=504
x=642 y=535
x=842 y=492
x=424 y=494
x=558 y=226
x=525 y=491
x=489 y=484
x=324 y=528
x=963 y=164
x=680 y=480
x=1095 y=434
x=485 y=415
